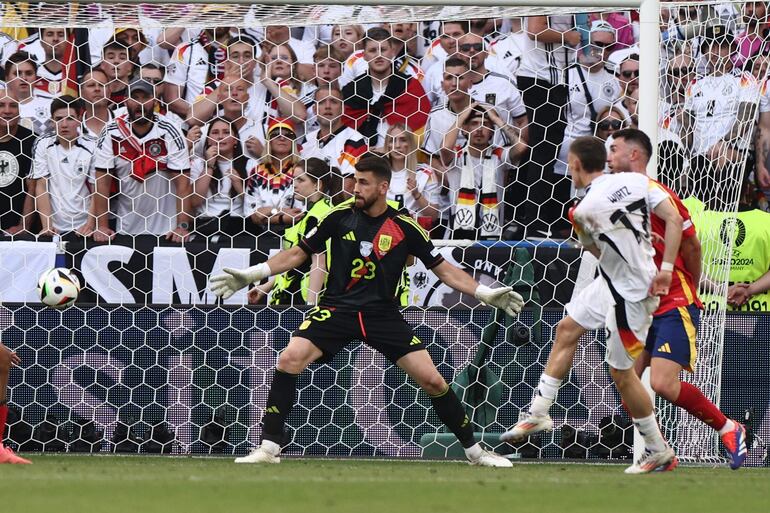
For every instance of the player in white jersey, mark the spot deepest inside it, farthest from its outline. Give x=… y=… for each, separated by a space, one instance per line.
x=719 y=111
x=148 y=157
x=613 y=223
x=62 y=170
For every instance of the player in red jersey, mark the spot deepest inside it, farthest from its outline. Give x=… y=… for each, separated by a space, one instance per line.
x=7 y=360
x=670 y=346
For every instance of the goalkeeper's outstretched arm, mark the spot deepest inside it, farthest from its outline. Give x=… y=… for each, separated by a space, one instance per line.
x=233 y=280
x=503 y=297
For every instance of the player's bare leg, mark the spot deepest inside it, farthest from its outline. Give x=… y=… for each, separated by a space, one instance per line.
x=537 y=419
x=7 y=360
x=665 y=382
x=658 y=456
x=420 y=367
x=291 y=362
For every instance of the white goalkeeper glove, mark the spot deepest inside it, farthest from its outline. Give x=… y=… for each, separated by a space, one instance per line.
x=233 y=280
x=504 y=298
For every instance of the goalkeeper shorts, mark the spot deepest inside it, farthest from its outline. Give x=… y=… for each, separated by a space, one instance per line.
x=626 y=322
x=385 y=331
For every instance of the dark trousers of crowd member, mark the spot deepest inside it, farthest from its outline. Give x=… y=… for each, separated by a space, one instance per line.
x=547 y=194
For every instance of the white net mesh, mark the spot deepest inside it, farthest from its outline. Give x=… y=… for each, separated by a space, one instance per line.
x=257 y=102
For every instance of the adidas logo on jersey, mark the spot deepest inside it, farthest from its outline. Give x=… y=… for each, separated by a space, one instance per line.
x=350 y=236
x=665 y=348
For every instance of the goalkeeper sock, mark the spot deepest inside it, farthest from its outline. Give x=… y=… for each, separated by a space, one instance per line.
x=3 y=417
x=451 y=412
x=698 y=405
x=545 y=395
x=648 y=428
x=280 y=399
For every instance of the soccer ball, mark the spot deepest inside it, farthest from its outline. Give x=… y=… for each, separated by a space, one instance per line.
x=58 y=288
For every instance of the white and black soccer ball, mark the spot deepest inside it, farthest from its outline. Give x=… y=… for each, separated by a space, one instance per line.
x=58 y=288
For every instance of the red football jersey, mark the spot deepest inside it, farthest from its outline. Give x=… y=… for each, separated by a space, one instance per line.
x=683 y=291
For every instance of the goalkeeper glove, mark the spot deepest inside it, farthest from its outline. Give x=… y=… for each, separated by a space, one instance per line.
x=504 y=298
x=233 y=280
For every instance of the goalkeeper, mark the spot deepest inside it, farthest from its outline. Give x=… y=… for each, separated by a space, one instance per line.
x=371 y=243
x=7 y=360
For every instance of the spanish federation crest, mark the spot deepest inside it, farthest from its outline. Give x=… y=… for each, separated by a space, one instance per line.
x=384 y=243
x=365 y=248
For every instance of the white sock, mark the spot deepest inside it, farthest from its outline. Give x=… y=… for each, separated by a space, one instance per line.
x=648 y=428
x=545 y=395
x=271 y=447
x=729 y=426
x=474 y=452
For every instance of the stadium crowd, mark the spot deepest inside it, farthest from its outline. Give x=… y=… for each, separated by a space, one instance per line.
x=192 y=133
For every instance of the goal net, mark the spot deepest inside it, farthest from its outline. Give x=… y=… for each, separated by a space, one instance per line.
x=148 y=146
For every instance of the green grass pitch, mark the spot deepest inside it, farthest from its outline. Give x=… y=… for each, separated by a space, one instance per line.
x=138 y=484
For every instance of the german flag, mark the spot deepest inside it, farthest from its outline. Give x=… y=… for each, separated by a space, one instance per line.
x=76 y=61
x=489 y=199
x=466 y=197
x=353 y=150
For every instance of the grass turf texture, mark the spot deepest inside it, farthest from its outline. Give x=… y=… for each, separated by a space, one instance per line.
x=105 y=484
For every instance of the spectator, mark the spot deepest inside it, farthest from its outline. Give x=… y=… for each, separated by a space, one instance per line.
x=476 y=174
x=609 y=120
x=48 y=50
x=357 y=64
x=413 y=186
x=218 y=181
x=404 y=41
x=628 y=74
x=8 y=47
x=148 y=157
x=444 y=46
x=328 y=65
x=94 y=101
x=196 y=68
x=119 y=68
x=456 y=85
x=16 y=185
x=34 y=106
x=383 y=96
x=284 y=89
x=550 y=49
x=346 y=39
x=591 y=89
x=751 y=40
x=333 y=142
x=509 y=49
x=317 y=187
x=269 y=187
x=492 y=88
x=136 y=43
x=62 y=170
x=679 y=75
x=280 y=35
x=622 y=28
x=719 y=113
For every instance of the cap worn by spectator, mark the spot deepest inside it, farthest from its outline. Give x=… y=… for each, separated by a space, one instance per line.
x=280 y=123
x=140 y=84
x=717 y=34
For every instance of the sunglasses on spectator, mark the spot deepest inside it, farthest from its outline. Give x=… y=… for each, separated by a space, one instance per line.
x=601 y=45
x=631 y=73
x=680 y=72
x=607 y=125
x=282 y=133
x=152 y=80
x=467 y=47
